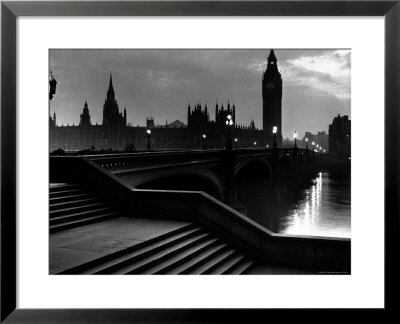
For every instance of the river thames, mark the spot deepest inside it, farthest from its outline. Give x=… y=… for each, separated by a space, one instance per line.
x=322 y=207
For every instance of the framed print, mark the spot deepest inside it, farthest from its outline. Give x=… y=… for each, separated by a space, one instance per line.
x=199 y=118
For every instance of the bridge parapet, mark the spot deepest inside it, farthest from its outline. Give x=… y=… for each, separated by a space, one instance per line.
x=142 y=159
x=123 y=160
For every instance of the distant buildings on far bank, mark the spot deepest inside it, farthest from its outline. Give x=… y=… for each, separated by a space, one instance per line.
x=337 y=141
x=321 y=139
x=340 y=136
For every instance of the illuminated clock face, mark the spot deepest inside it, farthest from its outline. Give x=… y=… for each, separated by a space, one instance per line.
x=270 y=86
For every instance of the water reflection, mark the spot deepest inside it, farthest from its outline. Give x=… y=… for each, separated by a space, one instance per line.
x=321 y=208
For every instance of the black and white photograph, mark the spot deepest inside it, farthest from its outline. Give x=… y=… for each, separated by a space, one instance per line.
x=200 y=161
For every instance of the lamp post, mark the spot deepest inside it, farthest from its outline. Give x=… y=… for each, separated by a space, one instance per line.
x=204 y=141
x=52 y=84
x=306 y=144
x=148 y=135
x=236 y=141
x=229 y=123
x=313 y=147
x=295 y=139
x=274 y=130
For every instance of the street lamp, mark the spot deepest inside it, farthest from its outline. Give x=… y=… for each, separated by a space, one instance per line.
x=274 y=130
x=53 y=85
x=236 y=140
x=255 y=143
x=295 y=139
x=306 y=143
x=148 y=134
x=204 y=141
x=229 y=123
x=313 y=147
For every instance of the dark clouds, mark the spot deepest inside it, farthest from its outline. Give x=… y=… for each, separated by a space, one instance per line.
x=161 y=83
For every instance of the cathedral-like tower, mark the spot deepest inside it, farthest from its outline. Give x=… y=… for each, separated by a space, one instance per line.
x=85 y=117
x=272 y=100
x=111 y=114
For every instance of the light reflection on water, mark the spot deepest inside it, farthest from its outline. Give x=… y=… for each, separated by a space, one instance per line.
x=322 y=208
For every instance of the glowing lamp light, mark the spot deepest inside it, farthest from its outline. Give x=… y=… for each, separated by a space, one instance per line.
x=204 y=135
x=306 y=139
x=295 y=135
x=313 y=143
x=267 y=145
x=236 y=139
x=255 y=143
x=229 y=117
x=148 y=131
x=274 y=129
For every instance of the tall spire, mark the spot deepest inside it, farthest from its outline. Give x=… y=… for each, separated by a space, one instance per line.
x=111 y=85
x=110 y=92
x=272 y=54
x=272 y=58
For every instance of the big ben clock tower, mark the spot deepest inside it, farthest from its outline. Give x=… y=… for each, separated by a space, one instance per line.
x=272 y=100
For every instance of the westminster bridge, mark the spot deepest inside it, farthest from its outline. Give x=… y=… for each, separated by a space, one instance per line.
x=201 y=186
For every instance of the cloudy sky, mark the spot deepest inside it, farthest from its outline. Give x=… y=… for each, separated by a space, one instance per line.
x=161 y=83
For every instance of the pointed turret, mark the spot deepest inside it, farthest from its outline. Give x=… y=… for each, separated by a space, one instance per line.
x=110 y=85
x=271 y=57
x=110 y=92
x=85 y=117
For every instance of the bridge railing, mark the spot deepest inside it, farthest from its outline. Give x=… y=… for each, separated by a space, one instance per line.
x=136 y=160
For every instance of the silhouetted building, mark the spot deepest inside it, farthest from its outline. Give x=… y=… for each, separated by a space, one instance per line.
x=85 y=117
x=340 y=136
x=150 y=122
x=111 y=115
x=272 y=100
x=53 y=121
x=321 y=138
x=116 y=134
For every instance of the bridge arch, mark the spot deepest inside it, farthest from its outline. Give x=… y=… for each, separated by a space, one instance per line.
x=254 y=168
x=202 y=180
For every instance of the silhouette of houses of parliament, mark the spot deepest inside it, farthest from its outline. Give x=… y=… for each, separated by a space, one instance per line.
x=116 y=134
x=340 y=136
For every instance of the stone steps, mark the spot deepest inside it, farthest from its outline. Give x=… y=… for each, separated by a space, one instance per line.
x=71 y=206
x=187 y=250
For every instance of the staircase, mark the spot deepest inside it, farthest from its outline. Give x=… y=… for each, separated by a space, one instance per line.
x=186 y=250
x=71 y=205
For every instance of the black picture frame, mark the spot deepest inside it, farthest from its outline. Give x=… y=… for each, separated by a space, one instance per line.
x=10 y=10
